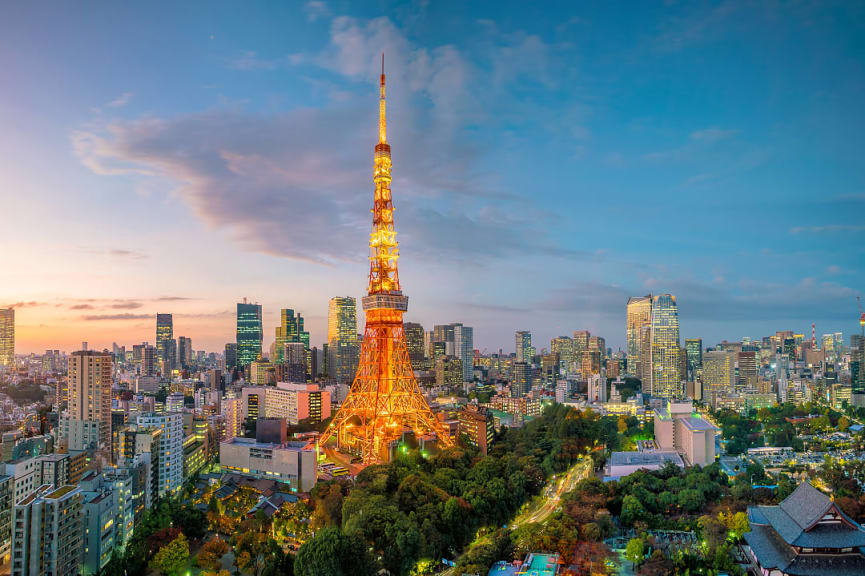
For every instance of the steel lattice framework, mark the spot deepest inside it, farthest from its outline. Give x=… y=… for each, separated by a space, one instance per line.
x=384 y=397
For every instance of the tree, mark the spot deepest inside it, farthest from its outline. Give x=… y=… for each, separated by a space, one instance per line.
x=334 y=553
x=210 y=556
x=172 y=557
x=713 y=530
x=634 y=551
x=632 y=510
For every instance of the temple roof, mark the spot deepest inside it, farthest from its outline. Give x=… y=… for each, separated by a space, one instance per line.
x=775 y=530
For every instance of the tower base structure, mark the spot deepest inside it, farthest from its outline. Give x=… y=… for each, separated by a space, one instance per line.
x=385 y=406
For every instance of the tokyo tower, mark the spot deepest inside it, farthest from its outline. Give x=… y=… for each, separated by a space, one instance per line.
x=384 y=398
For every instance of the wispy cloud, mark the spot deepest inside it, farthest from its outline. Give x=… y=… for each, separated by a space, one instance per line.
x=109 y=317
x=250 y=60
x=713 y=134
x=827 y=229
x=121 y=100
x=316 y=10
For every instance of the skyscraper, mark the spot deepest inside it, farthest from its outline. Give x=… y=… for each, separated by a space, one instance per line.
x=90 y=392
x=666 y=377
x=563 y=348
x=748 y=366
x=184 y=351
x=719 y=373
x=694 y=352
x=249 y=333
x=7 y=337
x=639 y=314
x=523 y=344
x=290 y=329
x=464 y=349
x=230 y=356
x=165 y=341
x=342 y=338
x=414 y=339
x=168 y=448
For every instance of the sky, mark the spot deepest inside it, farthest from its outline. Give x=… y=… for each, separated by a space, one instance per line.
x=550 y=160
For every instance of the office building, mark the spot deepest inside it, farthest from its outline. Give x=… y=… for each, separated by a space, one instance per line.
x=694 y=356
x=563 y=348
x=249 y=333
x=343 y=349
x=597 y=388
x=168 y=447
x=293 y=463
x=165 y=345
x=90 y=380
x=7 y=337
x=6 y=505
x=666 y=374
x=464 y=349
x=414 y=339
x=747 y=370
x=48 y=533
x=290 y=330
x=449 y=373
x=639 y=314
x=523 y=343
x=289 y=400
x=521 y=383
x=185 y=356
x=230 y=356
x=719 y=373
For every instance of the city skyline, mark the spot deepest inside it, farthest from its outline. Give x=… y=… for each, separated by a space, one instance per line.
x=659 y=158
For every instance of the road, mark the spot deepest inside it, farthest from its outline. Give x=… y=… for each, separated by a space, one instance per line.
x=552 y=494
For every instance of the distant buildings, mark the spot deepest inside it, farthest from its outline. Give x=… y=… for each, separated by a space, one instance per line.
x=694 y=354
x=523 y=344
x=166 y=350
x=414 y=339
x=249 y=333
x=290 y=333
x=7 y=337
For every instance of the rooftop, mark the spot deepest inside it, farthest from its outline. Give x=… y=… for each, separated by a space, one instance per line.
x=648 y=458
x=541 y=565
x=695 y=423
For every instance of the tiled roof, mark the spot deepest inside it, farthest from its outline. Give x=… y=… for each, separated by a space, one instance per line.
x=806 y=505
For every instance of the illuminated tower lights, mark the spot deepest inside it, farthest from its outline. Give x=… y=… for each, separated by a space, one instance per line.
x=385 y=397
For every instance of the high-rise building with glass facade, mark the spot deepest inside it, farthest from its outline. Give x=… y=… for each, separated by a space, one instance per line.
x=666 y=376
x=165 y=348
x=464 y=349
x=639 y=314
x=414 y=339
x=694 y=353
x=523 y=344
x=249 y=333
x=342 y=339
x=7 y=337
x=290 y=331
x=563 y=348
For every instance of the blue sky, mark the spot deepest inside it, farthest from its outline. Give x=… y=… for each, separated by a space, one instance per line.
x=549 y=161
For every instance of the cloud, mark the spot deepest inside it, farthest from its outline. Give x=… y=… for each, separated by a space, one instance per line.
x=121 y=100
x=250 y=60
x=103 y=317
x=712 y=135
x=833 y=269
x=827 y=229
x=27 y=304
x=82 y=307
x=125 y=305
x=288 y=184
x=316 y=10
